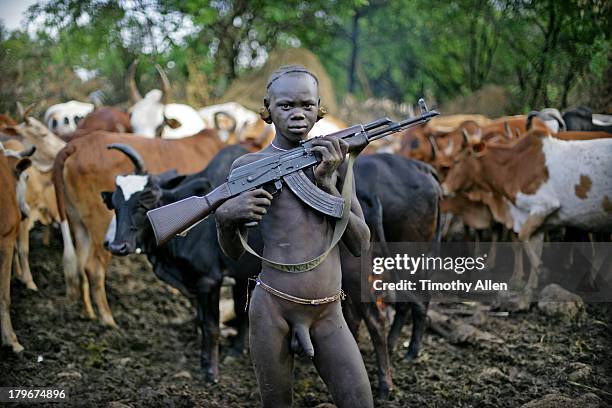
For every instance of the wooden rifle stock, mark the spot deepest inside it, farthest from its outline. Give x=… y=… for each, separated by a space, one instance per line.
x=179 y=217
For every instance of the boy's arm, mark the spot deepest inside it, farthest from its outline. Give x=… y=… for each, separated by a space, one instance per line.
x=234 y=213
x=329 y=175
x=357 y=234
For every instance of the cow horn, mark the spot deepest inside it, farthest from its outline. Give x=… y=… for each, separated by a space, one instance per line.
x=466 y=137
x=434 y=147
x=164 y=83
x=132 y=154
x=20 y=111
x=508 y=132
x=135 y=95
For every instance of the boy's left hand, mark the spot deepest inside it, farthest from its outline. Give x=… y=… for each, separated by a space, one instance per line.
x=333 y=151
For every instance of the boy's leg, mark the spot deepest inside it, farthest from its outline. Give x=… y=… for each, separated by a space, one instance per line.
x=339 y=361
x=269 y=347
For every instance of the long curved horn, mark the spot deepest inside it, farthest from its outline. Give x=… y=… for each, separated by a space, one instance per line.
x=135 y=95
x=132 y=154
x=164 y=83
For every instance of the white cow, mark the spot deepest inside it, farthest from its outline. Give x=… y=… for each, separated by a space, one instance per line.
x=152 y=116
x=239 y=118
x=63 y=118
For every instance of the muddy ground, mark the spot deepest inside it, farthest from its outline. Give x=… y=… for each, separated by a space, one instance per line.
x=153 y=361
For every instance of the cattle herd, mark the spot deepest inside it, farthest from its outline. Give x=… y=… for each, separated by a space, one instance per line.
x=95 y=171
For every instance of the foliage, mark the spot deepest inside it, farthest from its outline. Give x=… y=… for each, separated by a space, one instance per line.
x=544 y=53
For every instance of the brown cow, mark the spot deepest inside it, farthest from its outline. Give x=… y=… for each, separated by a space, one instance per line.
x=85 y=168
x=541 y=181
x=10 y=216
x=40 y=202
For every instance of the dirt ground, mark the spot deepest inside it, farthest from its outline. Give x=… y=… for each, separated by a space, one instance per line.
x=154 y=361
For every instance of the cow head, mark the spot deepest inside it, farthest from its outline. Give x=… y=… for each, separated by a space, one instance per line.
x=463 y=176
x=134 y=195
x=147 y=115
x=416 y=144
x=63 y=118
x=20 y=162
x=35 y=133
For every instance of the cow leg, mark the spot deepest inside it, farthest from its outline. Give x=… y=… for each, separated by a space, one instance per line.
x=82 y=259
x=16 y=263
x=8 y=334
x=208 y=316
x=419 y=319
x=46 y=238
x=239 y=293
x=375 y=323
x=23 y=247
x=70 y=261
x=495 y=237
x=533 y=247
x=97 y=277
x=401 y=312
x=518 y=273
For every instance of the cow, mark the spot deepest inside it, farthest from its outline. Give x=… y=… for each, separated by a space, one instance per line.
x=109 y=119
x=38 y=202
x=551 y=117
x=63 y=118
x=583 y=119
x=230 y=119
x=542 y=182
x=11 y=167
x=85 y=168
x=193 y=264
x=40 y=193
x=400 y=201
x=33 y=132
x=152 y=116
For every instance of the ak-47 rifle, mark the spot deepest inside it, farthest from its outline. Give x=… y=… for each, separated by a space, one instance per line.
x=177 y=218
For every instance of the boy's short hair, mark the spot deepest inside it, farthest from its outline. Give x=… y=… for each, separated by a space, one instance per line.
x=289 y=69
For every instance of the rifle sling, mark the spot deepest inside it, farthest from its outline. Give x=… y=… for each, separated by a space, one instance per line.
x=339 y=228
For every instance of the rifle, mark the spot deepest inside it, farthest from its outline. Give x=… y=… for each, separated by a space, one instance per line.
x=179 y=217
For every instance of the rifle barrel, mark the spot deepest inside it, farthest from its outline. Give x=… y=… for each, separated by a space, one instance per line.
x=401 y=125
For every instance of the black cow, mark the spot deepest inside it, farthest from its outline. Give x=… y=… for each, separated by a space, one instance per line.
x=581 y=119
x=400 y=199
x=194 y=264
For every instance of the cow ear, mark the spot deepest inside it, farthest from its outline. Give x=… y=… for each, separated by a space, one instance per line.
x=107 y=197
x=22 y=165
x=11 y=131
x=149 y=198
x=172 y=123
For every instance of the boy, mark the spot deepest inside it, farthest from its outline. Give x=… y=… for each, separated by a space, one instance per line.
x=280 y=322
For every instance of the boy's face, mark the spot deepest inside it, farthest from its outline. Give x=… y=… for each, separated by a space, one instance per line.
x=294 y=104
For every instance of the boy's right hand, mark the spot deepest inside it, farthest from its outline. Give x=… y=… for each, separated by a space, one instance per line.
x=249 y=206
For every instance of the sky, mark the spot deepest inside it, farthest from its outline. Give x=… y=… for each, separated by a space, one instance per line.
x=12 y=12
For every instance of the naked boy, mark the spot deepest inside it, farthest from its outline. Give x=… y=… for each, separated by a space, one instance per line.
x=293 y=233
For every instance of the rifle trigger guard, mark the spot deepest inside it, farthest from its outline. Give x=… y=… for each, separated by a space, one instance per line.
x=278 y=185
